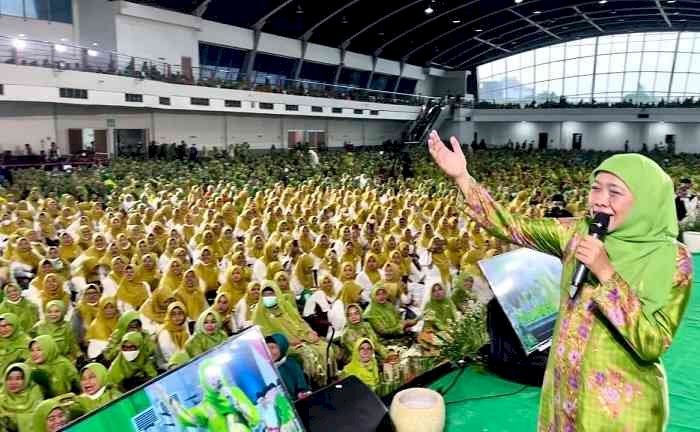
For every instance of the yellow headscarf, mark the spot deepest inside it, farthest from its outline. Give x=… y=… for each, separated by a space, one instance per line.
x=178 y=333
x=132 y=292
x=101 y=327
x=303 y=271
x=191 y=295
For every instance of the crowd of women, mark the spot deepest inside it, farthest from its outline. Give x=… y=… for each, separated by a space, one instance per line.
x=346 y=275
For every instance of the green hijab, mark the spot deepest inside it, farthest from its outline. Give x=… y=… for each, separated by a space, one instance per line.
x=115 y=340
x=280 y=318
x=104 y=395
x=26 y=311
x=385 y=318
x=65 y=402
x=60 y=331
x=643 y=249
x=14 y=348
x=368 y=373
x=22 y=404
x=363 y=329
x=438 y=312
x=122 y=369
x=56 y=373
x=201 y=341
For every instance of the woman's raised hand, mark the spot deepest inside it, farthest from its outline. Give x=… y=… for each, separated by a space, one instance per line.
x=452 y=162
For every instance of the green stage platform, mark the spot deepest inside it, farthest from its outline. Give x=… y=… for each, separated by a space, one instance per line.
x=484 y=402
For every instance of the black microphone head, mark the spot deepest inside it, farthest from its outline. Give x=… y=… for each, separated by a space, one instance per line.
x=600 y=223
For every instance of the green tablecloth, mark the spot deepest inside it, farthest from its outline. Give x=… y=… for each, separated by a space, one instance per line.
x=517 y=410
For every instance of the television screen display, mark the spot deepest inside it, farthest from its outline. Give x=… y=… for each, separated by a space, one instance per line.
x=526 y=285
x=233 y=387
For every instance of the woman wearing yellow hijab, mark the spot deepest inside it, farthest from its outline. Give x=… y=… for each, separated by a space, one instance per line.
x=303 y=277
x=86 y=264
x=147 y=270
x=440 y=261
x=234 y=285
x=191 y=295
x=245 y=308
x=173 y=334
x=102 y=326
x=89 y=305
x=132 y=292
x=369 y=276
x=172 y=278
x=223 y=306
x=306 y=241
x=322 y=244
x=24 y=254
x=207 y=271
x=52 y=288
x=376 y=248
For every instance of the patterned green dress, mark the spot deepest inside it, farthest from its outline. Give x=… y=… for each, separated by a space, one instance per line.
x=604 y=371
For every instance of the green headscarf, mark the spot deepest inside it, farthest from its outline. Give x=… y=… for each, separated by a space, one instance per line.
x=104 y=395
x=200 y=341
x=643 y=249
x=438 y=312
x=56 y=373
x=26 y=311
x=14 y=348
x=178 y=359
x=280 y=318
x=21 y=405
x=61 y=331
x=65 y=402
x=368 y=373
x=363 y=329
x=384 y=317
x=115 y=340
x=122 y=369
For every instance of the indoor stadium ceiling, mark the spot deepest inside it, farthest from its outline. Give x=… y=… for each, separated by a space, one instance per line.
x=447 y=33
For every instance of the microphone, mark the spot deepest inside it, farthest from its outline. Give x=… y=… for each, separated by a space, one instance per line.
x=598 y=228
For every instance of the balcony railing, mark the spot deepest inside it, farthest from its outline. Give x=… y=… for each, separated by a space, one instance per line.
x=91 y=59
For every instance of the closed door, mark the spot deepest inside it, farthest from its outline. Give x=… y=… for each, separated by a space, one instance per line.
x=101 y=141
x=542 y=142
x=75 y=141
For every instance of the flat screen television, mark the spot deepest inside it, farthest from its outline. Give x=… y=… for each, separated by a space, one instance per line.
x=233 y=387
x=526 y=284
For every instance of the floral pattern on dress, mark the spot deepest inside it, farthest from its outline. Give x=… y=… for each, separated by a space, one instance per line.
x=612 y=391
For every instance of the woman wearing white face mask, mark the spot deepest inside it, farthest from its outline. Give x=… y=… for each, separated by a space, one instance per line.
x=133 y=366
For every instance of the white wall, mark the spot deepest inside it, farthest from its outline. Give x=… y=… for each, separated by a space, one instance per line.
x=40 y=123
x=35 y=29
x=156 y=41
x=96 y=23
x=599 y=135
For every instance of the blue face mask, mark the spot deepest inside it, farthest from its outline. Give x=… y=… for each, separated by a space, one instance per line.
x=270 y=301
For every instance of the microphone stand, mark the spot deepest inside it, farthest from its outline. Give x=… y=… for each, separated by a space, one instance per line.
x=328 y=356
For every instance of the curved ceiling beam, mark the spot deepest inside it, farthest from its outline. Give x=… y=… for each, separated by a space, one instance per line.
x=307 y=35
x=261 y=22
x=416 y=27
x=533 y=44
x=346 y=43
x=441 y=53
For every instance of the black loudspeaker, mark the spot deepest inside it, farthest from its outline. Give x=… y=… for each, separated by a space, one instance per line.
x=346 y=406
x=506 y=355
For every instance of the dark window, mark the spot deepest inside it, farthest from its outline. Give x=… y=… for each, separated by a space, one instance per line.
x=164 y=100
x=407 y=85
x=318 y=72
x=358 y=111
x=73 y=93
x=337 y=110
x=383 y=82
x=199 y=101
x=61 y=11
x=133 y=97
x=316 y=109
x=267 y=105
x=271 y=69
x=2 y=89
x=217 y=62
x=373 y=112
x=232 y=103
x=291 y=107
x=353 y=77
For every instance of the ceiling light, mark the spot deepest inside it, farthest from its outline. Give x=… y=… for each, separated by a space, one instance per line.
x=479 y=30
x=64 y=39
x=344 y=20
x=299 y=9
x=95 y=44
x=518 y=1
x=537 y=12
x=676 y=13
x=22 y=35
x=60 y=48
x=93 y=53
x=670 y=1
x=429 y=10
x=621 y=20
x=456 y=21
x=602 y=1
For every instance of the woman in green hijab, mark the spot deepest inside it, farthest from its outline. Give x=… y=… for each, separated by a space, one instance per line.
x=438 y=313
x=14 y=343
x=19 y=397
x=610 y=335
x=129 y=322
x=54 y=414
x=54 y=372
x=385 y=317
x=356 y=328
x=363 y=364
x=96 y=390
x=55 y=325
x=275 y=315
x=14 y=302
x=133 y=366
x=207 y=334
